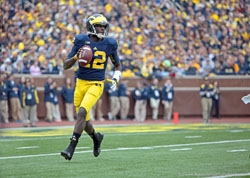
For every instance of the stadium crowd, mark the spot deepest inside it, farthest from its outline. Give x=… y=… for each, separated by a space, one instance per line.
x=157 y=37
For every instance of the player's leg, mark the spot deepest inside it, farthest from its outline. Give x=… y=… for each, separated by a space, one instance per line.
x=80 y=121
x=85 y=97
x=89 y=100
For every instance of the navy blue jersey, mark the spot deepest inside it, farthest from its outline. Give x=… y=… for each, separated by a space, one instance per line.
x=10 y=87
x=29 y=96
x=168 y=93
x=206 y=90
x=95 y=70
x=68 y=94
x=122 y=89
x=154 y=91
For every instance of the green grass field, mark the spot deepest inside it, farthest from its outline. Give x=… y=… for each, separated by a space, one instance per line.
x=130 y=151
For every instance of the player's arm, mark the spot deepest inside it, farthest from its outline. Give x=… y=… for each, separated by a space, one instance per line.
x=115 y=60
x=68 y=63
x=72 y=57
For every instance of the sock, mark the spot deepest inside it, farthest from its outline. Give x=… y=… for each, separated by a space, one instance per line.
x=75 y=137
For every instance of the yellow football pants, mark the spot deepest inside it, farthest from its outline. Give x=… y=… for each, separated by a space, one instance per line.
x=87 y=94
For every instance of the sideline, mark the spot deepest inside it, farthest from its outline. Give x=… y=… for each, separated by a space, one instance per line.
x=133 y=148
x=107 y=129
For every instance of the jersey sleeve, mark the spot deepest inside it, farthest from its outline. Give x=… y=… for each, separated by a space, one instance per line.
x=114 y=56
x=75 y=47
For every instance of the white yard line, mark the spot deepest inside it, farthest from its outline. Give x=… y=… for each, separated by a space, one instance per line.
x=27 y=147
x=236 y=131
x=231 y=175
x=194 y=136
x=134 y=148
x=84 y=147
x=181 y=149
x=233 y=151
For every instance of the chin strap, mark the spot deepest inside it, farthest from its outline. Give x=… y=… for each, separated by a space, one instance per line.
x=97 y=34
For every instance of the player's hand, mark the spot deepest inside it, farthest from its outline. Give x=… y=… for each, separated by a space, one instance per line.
x=113 y=84
x=80 y=53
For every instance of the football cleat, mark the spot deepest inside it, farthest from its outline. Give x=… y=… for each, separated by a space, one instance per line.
x=69 y=151
x=97 y=144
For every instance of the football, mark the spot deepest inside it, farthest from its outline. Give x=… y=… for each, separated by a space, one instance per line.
x=85 y=55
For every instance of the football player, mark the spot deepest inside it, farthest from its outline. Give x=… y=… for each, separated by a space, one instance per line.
x=90 y=78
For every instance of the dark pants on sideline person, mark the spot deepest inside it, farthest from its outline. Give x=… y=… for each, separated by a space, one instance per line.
x=216 y=106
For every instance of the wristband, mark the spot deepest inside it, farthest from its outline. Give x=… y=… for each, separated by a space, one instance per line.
x=75 y=58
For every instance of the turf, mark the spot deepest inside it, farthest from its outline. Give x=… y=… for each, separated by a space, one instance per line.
x=141 y=153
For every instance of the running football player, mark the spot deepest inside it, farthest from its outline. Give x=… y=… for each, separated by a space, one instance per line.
x=90 y=78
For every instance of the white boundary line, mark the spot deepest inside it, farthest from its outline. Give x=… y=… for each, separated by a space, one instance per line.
x=231 y=175
x=134 y=148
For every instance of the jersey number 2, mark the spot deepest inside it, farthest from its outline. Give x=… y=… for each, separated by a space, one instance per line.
x=98 y=63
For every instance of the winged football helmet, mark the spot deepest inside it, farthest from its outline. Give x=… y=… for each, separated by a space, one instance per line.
x=94 y=20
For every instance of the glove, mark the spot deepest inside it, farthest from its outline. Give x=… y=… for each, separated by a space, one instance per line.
x=113 y=84
x=115 y=80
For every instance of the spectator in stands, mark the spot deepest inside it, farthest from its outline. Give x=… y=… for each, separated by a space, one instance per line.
x=154 y=96
x=113 y=101
x=4 y=100
x=167 y=99
x=49 y=99
x=242 y=65
x=57 y=68
x=124 y=99
x=158 y=70
x=140 y=94
x=215 y=100
x=19 y=68
x=56 y=110
x=46 y=67
x=26 y=64
x=217 y=70
x=228 y=68
x=30 y=101
x=35 y=69
x=68 y=98
x=206 y=93
x=13 y=94
x=6 y=67
x=191 y=69
x=207 y=66
x=203 y=29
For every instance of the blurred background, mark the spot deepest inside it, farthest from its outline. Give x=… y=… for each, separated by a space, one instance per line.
x=181 y=40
